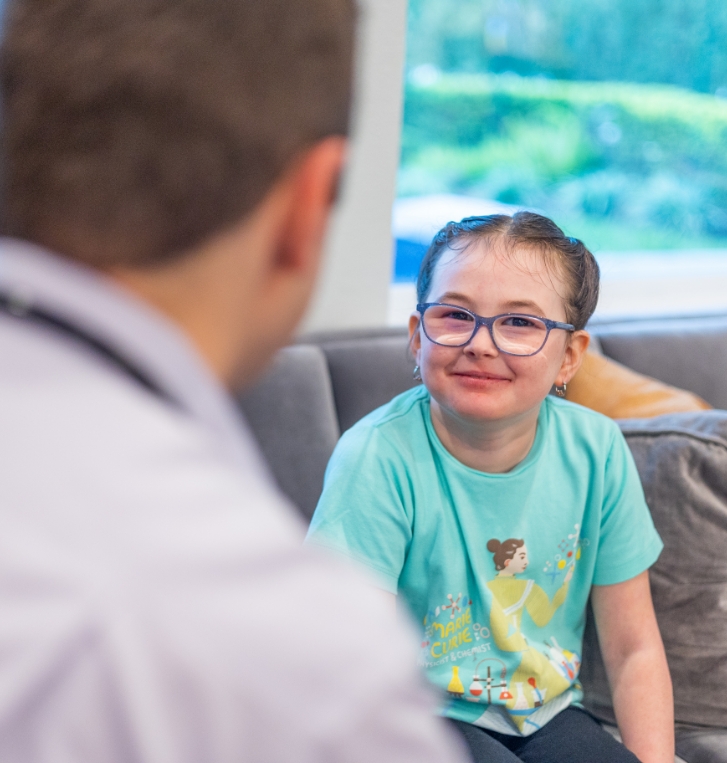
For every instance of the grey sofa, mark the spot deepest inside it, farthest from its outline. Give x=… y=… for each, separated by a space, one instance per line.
x=321 y=386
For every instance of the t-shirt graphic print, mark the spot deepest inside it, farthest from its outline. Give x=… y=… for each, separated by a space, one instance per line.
x=496 y=662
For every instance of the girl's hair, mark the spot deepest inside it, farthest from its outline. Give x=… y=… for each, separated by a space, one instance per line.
x=501 y=552
x=524 y=229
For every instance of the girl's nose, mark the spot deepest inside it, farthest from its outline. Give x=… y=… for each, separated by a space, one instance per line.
x=482 y=344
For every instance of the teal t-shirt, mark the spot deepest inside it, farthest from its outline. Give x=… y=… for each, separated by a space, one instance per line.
x=502 y=629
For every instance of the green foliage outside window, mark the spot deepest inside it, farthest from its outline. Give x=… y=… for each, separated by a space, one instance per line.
x=626 y=165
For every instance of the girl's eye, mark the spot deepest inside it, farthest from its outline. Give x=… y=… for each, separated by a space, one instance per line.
x=458 y=315
x=519 y=322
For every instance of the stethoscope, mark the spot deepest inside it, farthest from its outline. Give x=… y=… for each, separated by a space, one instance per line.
x=18 y=308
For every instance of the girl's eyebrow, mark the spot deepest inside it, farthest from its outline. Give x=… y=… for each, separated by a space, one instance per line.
x=524 y=304
x=454 y=296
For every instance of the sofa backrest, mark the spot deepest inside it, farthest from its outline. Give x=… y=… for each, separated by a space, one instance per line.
x=689 y=353
x=311 y=394
x=292 y=414
x=366 y=373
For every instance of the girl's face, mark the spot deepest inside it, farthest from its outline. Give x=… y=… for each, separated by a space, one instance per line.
x=518 y=564
x=477 y=383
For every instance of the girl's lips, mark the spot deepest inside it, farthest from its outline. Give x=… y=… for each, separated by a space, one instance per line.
x=480 y=376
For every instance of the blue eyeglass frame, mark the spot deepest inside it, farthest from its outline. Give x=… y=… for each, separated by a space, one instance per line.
x=489 y=322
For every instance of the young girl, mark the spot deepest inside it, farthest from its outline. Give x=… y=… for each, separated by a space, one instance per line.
x=495 y=509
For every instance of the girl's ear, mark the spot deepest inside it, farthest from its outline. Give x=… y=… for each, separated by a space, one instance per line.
x=415 y=339
x=507 y=561
x=574 y=353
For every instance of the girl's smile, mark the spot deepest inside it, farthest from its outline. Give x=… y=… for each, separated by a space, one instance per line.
x=480 y=378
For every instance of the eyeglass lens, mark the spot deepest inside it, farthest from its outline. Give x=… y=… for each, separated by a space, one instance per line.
x=514 y=334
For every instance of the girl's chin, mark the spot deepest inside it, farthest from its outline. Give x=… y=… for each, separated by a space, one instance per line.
x=481 y=413
x=484 y=417
x=486 y=408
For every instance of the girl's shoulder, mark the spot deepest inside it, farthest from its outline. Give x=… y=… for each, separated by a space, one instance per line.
x=402 y=412
x=574 y=413
x=569 y=420
x=398 y=424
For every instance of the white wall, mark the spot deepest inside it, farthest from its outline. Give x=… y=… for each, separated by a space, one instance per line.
x=354 y=288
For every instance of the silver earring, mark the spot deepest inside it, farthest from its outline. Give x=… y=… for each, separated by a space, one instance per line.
x=560 y=391
x=417 y=374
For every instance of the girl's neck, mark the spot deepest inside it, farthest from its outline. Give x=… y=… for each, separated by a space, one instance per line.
x=494 y=446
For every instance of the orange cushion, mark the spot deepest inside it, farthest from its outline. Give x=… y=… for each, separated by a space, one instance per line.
x=616 y=391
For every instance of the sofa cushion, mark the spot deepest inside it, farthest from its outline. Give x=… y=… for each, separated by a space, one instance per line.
x=608 y=387
x=292 y=415
x=702 y=745
x=682 y=461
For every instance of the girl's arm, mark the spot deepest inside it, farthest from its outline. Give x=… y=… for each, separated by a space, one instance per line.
x=636 y=666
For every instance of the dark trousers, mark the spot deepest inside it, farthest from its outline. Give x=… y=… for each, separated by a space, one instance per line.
x=572 y=736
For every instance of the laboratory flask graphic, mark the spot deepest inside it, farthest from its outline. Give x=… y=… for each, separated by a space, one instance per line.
x=487 y=682
x=456 y=687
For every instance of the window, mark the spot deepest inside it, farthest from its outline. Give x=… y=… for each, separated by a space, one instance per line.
x=610 y=116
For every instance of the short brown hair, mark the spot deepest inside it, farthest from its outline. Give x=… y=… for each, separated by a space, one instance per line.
x=135 y=129
x=527 y=229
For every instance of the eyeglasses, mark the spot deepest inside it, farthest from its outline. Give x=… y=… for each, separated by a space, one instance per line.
x=512 y=333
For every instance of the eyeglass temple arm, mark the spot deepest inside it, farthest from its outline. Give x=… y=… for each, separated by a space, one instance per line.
x=559 y=325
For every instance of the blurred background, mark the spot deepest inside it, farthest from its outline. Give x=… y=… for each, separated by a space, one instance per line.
x=610 y=116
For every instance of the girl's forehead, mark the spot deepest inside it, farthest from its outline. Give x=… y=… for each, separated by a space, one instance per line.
x=482 y=266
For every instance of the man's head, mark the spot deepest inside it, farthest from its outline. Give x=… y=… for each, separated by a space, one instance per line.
x=140 y=133
x=135 y=129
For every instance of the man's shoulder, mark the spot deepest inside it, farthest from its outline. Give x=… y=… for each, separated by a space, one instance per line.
x=117 y=466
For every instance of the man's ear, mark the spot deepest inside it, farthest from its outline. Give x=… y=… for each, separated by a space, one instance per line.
x=312 y=186
x=574 y=354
